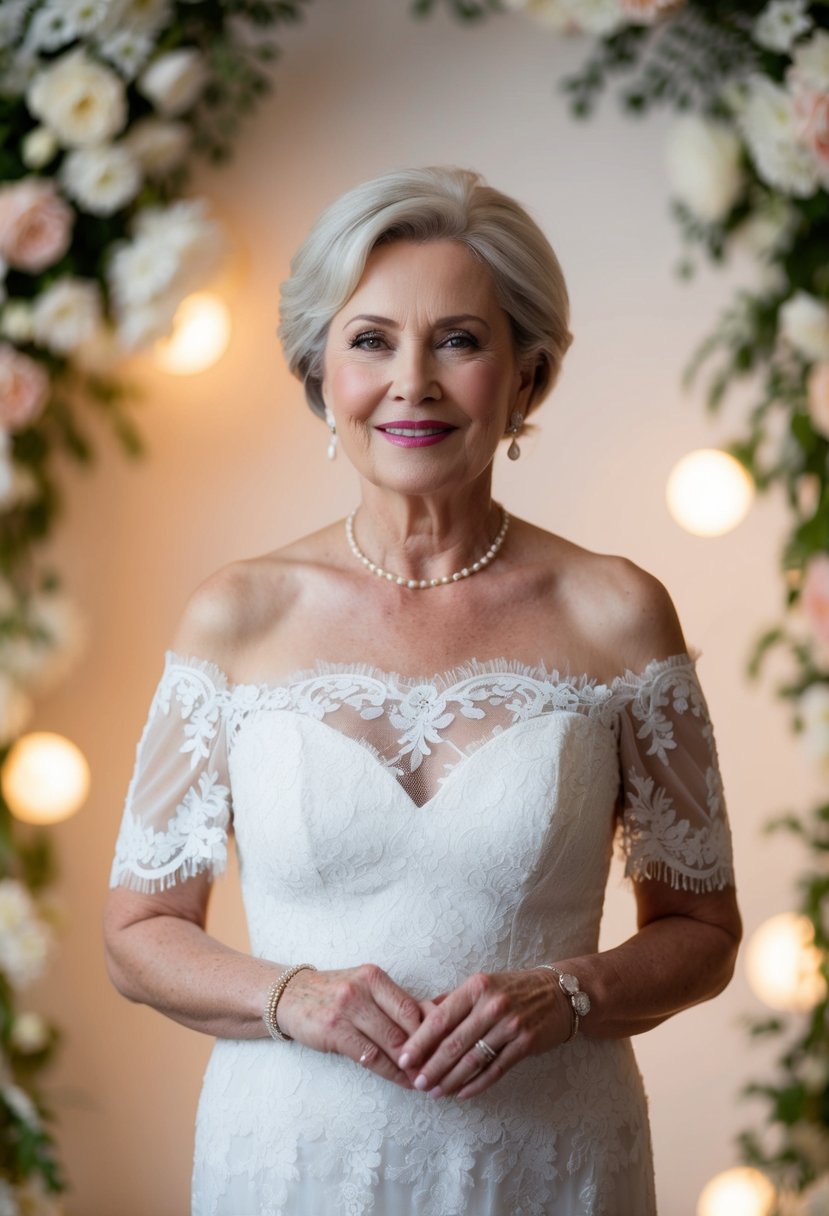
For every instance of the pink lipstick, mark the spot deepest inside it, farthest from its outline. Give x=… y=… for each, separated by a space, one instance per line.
x=419 y=434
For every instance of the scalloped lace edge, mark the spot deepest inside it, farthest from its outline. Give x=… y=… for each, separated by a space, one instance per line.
x=629 y=681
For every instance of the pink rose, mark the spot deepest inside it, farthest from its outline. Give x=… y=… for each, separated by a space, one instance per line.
x=24 y=388
x=35 y=224
x=815 y=596
x=818 y=389
x=811 y=115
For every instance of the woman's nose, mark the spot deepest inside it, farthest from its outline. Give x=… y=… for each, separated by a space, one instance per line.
x=415 y=376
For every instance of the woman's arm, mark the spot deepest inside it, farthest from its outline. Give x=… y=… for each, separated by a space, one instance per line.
x=158 y=953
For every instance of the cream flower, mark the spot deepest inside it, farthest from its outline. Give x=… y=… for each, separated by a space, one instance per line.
x=24 y=938
x=17 y=483
x=704 y=166
x=173 y=251
x=83 y=102
x=813 y=710
x=810 y=61
x=174 y=82
x=59 y=22
x=29 y=1033
x=765 y=115
x=158 y=146
x=38 y=148
x=818 y=397
x=101 y=179
x=35 y=225
x=127 y=50
x=24 y=388
x=804 y=322
x=66 y=314
x=780 y=24
x=16 y=322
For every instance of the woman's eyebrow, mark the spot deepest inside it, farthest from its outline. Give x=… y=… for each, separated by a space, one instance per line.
x=453 y=320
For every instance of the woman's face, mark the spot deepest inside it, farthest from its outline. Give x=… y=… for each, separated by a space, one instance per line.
x=419 y=369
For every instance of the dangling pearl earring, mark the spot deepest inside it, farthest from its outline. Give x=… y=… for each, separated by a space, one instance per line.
x=332 y=439
x=516 y=422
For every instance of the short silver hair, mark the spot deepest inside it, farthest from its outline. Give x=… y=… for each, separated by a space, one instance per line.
x=430 y=204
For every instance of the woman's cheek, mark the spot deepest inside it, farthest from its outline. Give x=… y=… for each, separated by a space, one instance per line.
x=354 y=386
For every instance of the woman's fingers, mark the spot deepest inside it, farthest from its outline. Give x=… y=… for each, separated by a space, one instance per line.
x=512 y=1013
x=359 y=1012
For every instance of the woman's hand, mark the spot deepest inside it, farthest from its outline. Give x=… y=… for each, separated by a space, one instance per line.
x=357 y=1012
x=516 y=1013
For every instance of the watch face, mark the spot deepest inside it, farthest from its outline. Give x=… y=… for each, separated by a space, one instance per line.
x=581 y=1003
x=569 y=983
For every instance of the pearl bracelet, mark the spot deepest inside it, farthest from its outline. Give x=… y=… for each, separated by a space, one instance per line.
x=272 y=999
x=579 y=1001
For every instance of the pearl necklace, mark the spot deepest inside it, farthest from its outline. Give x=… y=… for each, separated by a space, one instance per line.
x=420 y=584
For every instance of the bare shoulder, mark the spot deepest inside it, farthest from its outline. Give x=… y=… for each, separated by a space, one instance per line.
x=234 y=607
x=627 y=613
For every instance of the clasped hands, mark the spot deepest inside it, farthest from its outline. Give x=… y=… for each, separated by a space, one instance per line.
x=429 y=1045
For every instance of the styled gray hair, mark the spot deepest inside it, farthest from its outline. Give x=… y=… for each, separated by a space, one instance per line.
x=425 y=205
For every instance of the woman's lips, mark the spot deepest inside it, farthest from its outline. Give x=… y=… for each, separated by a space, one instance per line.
x=419 y=434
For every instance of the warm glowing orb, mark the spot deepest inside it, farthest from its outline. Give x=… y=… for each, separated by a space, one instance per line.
x=709 y=492
x=201 y=332
x=738 y=1192
x=45 y=778
x=783 y=964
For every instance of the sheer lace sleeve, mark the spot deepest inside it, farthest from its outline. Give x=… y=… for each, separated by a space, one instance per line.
x=178 y=806
x=674 y=824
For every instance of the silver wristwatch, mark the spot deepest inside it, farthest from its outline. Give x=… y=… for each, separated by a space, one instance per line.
x=579 y=1001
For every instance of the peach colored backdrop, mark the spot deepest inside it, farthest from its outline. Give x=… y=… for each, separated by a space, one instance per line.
x=238 y=466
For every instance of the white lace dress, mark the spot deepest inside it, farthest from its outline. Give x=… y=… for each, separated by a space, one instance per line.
x=435 y=827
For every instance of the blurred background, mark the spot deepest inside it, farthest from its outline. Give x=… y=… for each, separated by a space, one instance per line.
x=237 y=465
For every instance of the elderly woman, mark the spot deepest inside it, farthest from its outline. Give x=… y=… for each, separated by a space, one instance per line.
x=425 y=1024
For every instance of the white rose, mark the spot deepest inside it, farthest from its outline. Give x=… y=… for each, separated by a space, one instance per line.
x=127 y=50
x=174 y=82
x=24 y=939
x=765 y=115
x=704 y=167
x=101 y=179
x=810 y=62
x=83 y=102
x=158 y=146
x=813 y=709
x=174 y=250
x=780 y=24
x=29 y=1033
x=16 y=321
x=38 y=148
x=139 y=326
x=66 y=314
x=804 y=321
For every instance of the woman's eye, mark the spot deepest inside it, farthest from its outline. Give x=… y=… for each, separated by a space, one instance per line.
x=459 y=340
x=367 y=341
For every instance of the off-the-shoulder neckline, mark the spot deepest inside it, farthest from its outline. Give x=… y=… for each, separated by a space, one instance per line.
x=450 y=678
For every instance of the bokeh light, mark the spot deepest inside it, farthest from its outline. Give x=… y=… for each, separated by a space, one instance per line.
x=45 y=778
x=709 y=492
x=201 y=332
x=783 y=964
x=739 y=1192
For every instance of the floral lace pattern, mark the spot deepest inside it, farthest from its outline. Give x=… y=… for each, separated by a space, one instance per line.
x=435 y=827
